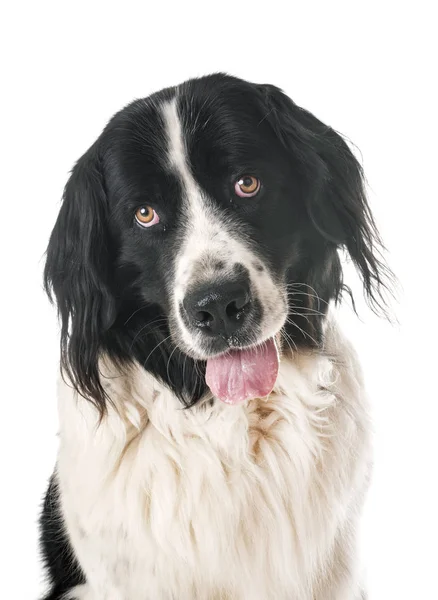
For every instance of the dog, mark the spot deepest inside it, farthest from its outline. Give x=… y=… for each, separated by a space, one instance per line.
x=214 y=429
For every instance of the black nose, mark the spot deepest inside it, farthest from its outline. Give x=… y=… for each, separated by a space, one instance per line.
x=218 y=309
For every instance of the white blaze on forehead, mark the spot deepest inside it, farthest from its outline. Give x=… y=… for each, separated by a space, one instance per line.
x=207 y=237
x=176 y=149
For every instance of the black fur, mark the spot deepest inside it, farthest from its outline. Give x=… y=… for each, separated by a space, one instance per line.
x=111 y=279
x=63 y=571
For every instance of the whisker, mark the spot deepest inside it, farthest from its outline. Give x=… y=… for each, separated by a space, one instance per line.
x=138 y=310
x=293 y=285
x=140 y=332
x=288 y=339
x=153 y=350
x=168 y=362
x=309 y=311
x=292 y=322
x=295 y=293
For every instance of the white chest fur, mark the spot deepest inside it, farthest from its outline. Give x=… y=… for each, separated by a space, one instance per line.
x=219 y=502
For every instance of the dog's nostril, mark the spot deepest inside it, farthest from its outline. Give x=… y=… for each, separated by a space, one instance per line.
x=204 y=317
x=235 y=308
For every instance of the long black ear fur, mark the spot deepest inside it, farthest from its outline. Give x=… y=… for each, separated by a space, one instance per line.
x=337 y=202
x=77 y=275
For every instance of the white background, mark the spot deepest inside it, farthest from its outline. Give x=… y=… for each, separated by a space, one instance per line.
x=365 y=68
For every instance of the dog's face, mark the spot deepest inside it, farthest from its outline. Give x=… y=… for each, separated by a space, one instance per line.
x=205 y=220
x=212 y=219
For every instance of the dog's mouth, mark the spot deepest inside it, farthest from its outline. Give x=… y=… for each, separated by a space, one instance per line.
x=242 y=374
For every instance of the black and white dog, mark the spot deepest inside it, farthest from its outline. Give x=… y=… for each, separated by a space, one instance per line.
x=214 y=439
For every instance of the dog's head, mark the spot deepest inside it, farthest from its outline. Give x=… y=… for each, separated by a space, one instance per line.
x=203 y=227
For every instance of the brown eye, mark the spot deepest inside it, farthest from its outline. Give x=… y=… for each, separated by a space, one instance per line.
x=247 y=186
x=146 y=216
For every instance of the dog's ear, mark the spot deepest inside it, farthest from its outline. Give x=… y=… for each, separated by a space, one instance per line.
x=77 y=274
x=336 y=203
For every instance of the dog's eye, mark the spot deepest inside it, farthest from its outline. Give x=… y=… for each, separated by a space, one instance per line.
x=146 y=216
x=247 y=186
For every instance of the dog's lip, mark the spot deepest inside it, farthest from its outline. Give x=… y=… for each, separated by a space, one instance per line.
x=239 y=347
x=234 y=348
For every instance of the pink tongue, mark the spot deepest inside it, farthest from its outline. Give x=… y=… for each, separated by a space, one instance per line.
x=243 y=374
